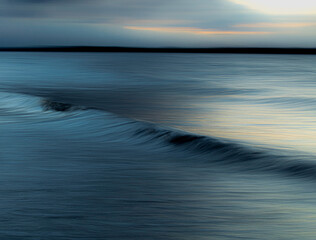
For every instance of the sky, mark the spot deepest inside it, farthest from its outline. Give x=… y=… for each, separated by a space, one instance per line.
x=158 y=23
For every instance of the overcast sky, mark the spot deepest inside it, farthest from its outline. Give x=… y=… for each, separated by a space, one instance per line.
x=159 y=23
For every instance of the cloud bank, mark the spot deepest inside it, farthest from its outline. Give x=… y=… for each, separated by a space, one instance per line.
x=179 y=23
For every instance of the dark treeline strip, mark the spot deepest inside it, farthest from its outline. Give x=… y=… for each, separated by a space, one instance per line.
x=165 y=50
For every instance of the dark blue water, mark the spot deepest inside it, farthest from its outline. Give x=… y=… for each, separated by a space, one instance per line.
x=157 y=146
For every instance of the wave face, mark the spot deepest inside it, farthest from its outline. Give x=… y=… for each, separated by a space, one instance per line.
x=108 y=127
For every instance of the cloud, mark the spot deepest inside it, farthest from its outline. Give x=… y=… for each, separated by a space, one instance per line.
x=277 y=25
x=192 y=30
x=203 y=12
x=33 y=1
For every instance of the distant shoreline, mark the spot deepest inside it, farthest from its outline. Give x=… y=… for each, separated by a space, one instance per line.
x=163 y=50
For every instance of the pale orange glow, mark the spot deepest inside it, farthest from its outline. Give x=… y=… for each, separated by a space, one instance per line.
x=277 y=25
x=193 y=30
x=280 y=7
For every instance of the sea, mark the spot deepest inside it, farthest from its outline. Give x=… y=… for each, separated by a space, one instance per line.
x=170 y=146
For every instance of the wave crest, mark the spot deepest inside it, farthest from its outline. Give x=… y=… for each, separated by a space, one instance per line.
x=109 y=127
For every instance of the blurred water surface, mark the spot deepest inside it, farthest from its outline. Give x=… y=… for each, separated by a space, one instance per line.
x=157 y=146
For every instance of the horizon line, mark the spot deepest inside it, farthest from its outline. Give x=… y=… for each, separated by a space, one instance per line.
x=245 y=50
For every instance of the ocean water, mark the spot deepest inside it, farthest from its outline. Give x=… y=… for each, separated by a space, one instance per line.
x=157 y=146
